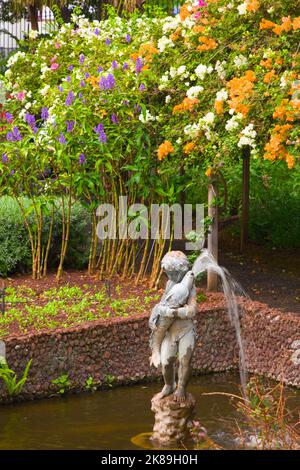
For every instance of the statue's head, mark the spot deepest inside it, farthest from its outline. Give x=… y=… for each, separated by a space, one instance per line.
x=175 y=264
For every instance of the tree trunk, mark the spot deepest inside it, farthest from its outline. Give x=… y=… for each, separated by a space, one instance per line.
x=245 y=197
x=33 y=14
x=212 y=239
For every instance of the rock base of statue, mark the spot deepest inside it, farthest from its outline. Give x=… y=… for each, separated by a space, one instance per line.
x=171 y=419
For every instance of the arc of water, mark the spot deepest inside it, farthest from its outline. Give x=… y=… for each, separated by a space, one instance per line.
x=230 y=287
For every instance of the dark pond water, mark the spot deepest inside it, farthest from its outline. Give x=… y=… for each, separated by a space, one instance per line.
x=108 y=420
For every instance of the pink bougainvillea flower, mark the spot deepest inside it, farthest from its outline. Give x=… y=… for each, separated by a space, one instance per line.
x=20 y=96
x=57 y=45
x=53 y=59
x=54 y=66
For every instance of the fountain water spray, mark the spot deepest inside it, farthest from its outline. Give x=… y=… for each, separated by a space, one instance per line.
x=231 y=288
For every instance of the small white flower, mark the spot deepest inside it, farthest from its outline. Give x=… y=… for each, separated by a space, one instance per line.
x=33 y=34
x=194 y=91
x=222 y=95
x=201 y=71
x=240 y=61
x=148 y=117
x=209 y=118
x=168 y=99
x=44 y=90
x=242 y=8
x=28 y=105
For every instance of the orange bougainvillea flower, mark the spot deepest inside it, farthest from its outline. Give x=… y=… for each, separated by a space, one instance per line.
x=296 y=23
x=266 y=63
x=186 y=105
x=189 y=147
x=240 y=90
x=275 y=148
x=219 y=106
x=199 y=29
x=290 y=160
x=207 y=44
x=184 y=12
x=285 y=26
x=270 y=76
x=134 y=56
x=147 y=51
x=164 y=149
x=266 y=24
x=252 y=5
x=94 y=81
x=208 y=172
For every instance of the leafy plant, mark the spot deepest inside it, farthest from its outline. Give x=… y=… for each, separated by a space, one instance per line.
x=62 y=382
x=13 y=385
x=90 y=384
x=109 y=380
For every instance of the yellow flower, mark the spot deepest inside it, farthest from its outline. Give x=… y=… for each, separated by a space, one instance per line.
x=208 y=172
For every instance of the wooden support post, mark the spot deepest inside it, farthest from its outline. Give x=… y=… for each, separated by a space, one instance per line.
x=33 y=15
x=245 y=197
x=212 y=239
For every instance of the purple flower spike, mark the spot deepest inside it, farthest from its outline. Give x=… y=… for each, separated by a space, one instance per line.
x=70 y=125
x=138 y=65
x=114 y=118
x=86 y=75
x=125 y=66
x=99 y=69
x=142 y=87
x=62 y=139
x=70 y=98
x=45 y=113
x=110 y=81
x=59 y=87
x=4 y=158
x=107 y=42
x=128 y=38
x=101 y=134
x=125 y=102
x=82 y=83
x=114 y=64
x=137 y=109
x=82 y=159
x=30 y=119
x=81 y=59
x=68 y=79
x=70 y=68
x=96 y=31
x=14 y=136
x=9 y=117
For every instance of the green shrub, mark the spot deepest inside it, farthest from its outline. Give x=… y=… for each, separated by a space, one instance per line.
x=14 y=244
x=15 y=253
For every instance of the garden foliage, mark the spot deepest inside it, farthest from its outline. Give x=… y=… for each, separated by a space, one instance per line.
x=143 y=106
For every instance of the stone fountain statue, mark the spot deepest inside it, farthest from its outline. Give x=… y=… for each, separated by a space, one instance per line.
x=173 y=335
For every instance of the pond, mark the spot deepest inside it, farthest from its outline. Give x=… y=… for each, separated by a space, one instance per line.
x=108 y=420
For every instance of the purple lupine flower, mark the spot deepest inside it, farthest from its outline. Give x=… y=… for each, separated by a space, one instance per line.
x=125 y=102
x=70 y=98
x=81 y=59
x=138 y=65
x=70 y=125
x=110 y=81
x=12 y=172
x=4 y=158
x=107 y=42
x=30 y=119
x=68 y=79
x=114 y=118
x=128 y=38
x=80 y=95
x=137 y=109
x=125 y=66
x=102 y=83
x=81 y=159
x=60 y=88
x=14 y=136
x=44 y=113
x=70 y=68
x=86 y=75
x=142 y=87
x=9 y=117
x=96 y=31
x=100 y=69
x=62 y=139
x=101 y=134
x=114 y=64
x=82 y=83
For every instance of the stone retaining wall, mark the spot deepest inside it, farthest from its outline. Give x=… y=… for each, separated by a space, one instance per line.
x=120 y=348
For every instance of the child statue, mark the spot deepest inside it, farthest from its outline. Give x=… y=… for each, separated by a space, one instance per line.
x=172 y=325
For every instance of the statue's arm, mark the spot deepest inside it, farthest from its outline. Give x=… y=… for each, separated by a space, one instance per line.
x=190 y=309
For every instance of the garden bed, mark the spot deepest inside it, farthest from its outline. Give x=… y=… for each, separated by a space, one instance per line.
x=33 y=306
